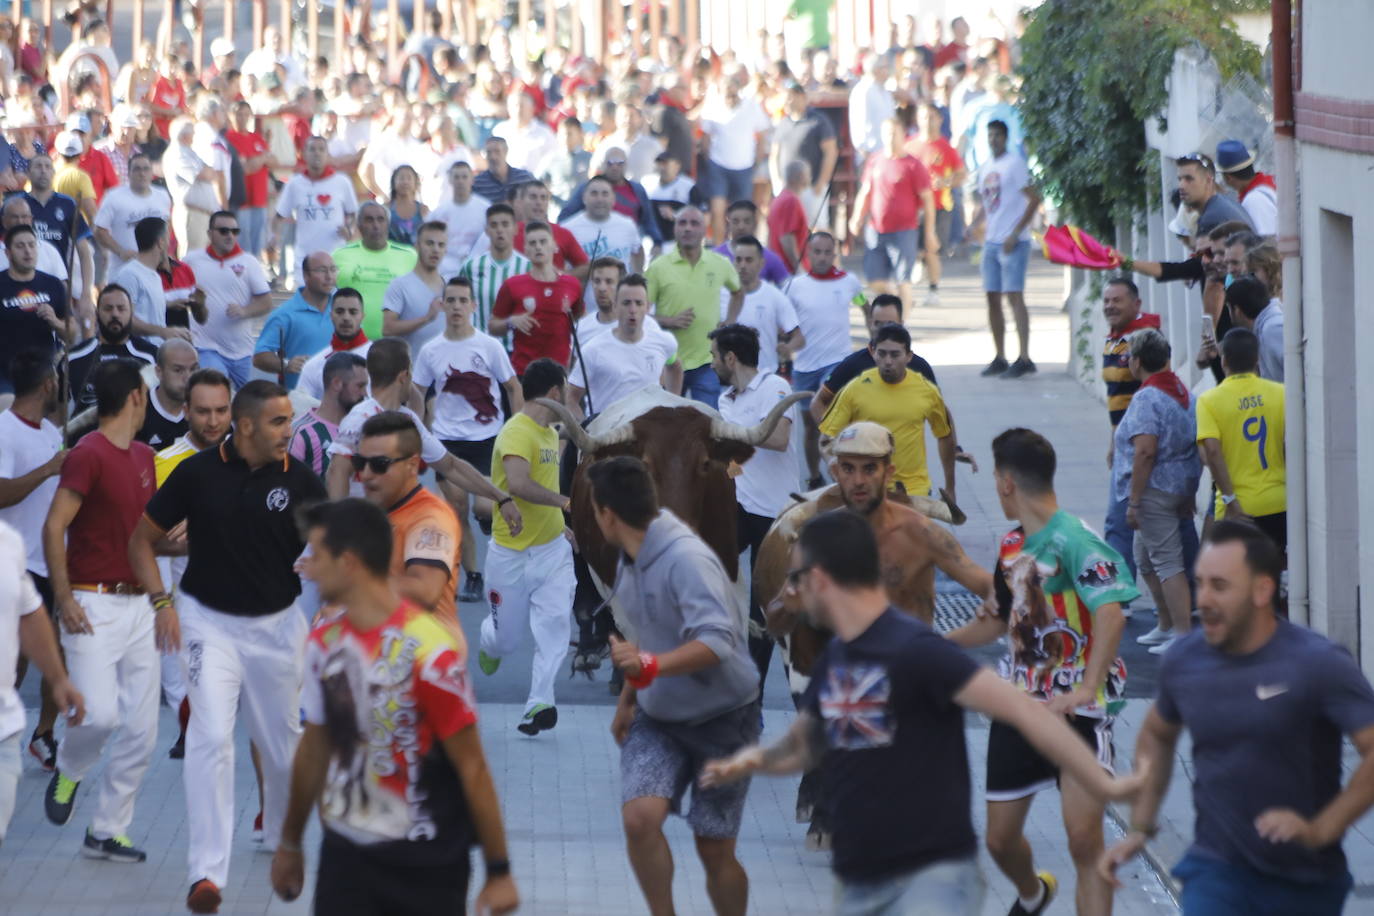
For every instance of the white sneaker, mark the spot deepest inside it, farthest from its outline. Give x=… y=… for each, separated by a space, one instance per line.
x=1156 y=636
x=932 y=299
x=1126 y=611
x=1162 y=647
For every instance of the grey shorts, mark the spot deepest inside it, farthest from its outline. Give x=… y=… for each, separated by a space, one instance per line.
x=1158 y=543
x=662 y=759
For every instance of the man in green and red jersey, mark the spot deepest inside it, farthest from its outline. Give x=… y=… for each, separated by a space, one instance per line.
x=1059 y=590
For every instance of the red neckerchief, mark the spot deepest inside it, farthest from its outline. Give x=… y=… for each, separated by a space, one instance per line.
x=1261 y=180
x=1169 y=383
x=328 y=170
x=1143 y=320
x=664 y=100
x=338 y=345
x=833 y=274
x=210 y=250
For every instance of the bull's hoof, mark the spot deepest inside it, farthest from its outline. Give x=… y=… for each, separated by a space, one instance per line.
x=818 y=840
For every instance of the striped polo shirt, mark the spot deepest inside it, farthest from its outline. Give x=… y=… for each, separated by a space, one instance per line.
x=487 y=274
x=1116 y=368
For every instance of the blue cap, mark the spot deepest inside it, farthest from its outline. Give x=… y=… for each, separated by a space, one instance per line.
x=1232 y=156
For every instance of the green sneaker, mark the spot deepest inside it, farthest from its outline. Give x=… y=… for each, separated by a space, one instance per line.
x=116 y=849
x=540 y=718
x=487 y=663
x=60 y=798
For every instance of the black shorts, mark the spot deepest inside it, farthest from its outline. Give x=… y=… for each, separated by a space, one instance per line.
x=352 y=883
x=1016 y=769
x=478 y=454
x=1276 y=526
x=45 y=592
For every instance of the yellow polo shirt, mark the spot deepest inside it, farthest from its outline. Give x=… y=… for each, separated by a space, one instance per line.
x=1245 y=414
x=676 y=284
x=904 y=408
x=523 y=438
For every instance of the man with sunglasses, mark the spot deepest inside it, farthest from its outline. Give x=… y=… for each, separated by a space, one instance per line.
x=236 y=292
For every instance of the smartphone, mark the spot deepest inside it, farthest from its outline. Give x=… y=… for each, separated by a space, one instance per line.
x=1209 y=332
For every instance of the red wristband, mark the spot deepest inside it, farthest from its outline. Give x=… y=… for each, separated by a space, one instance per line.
x=648 y=670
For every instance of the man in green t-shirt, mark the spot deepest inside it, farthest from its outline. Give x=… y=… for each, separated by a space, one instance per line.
x=1059 y=590
x=815 y=15
x=370 y=263
x=684 y=286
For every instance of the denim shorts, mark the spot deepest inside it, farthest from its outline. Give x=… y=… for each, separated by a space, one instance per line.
x=1005 y=273
x=1212 y=887
x=890 y=255
x=811 y=381
x=730 y=184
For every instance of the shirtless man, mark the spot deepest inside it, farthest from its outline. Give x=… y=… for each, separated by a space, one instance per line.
x=910 y=548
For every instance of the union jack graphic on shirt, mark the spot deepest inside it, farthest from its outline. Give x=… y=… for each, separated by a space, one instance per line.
x=854 y=704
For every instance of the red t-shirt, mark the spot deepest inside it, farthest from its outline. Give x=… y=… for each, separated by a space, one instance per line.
x=248 y=145
x=167 y=94
x=567 y=252
x=787 y=216
x=115 y=485
x=941 y=161
x=102 y=171
x=895 y=187
x=949 y=54
x=550 y=303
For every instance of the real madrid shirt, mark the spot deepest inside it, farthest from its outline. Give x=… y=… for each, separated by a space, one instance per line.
x=241 y=525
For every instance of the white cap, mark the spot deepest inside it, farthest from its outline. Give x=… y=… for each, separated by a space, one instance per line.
x=69 y=144
x=222 y=47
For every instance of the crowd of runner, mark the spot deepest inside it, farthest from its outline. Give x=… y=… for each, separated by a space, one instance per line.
x=306 y=354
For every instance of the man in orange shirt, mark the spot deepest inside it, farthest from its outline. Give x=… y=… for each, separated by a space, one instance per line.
x=424 y=529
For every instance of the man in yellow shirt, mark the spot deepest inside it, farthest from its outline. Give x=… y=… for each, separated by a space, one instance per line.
x=207 y=423
x=1240 y=431
x=530 y=579
x=68 y=176
x=894 y=396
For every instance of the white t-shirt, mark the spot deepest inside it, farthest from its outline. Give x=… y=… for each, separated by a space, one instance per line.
x=679 y=191
x=18 y=598
x=530 y=146
x=589 y=329
x=614 y=237
x=23 y=448
x=232 y=281
x=765 y=485
x=319 y=209
x=769 y=312
x=350 y=433
x=1000 y=183
x=467 y=376
x=121 y=209
x=1261 y=205
x=734 y=133
x=466 y=222
x=145 y=289
x=311 y=380
x=612 y=369
x=409 y=297
x=823 y=313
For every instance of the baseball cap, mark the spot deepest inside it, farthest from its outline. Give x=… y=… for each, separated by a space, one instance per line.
x=864 y=439
x=221 y=47
x=79 y=120
x=127 y=118
x=69 y=144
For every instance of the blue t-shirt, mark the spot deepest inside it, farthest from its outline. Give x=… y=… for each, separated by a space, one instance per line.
x=896 y=765
x=1266 y=730
x=297 y=328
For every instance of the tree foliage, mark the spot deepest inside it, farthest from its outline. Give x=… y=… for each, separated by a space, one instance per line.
x=1093 y=71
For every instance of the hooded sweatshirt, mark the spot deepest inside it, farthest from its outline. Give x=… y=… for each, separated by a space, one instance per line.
x=677 y=591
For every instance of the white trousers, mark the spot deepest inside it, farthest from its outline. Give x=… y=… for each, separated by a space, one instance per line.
x=116 y=669
x=9 y=779
x=173 y=671
x=248 y=664
x=531 y=591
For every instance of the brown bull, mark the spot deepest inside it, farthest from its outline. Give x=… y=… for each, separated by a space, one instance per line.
x=688 y=450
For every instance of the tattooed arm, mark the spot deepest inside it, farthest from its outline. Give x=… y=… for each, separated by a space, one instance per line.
x=796 y=752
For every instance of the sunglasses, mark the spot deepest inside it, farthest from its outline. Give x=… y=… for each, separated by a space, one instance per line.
x=1201 y=159
x=615 y=161
x=227 y=230
x=377 y=464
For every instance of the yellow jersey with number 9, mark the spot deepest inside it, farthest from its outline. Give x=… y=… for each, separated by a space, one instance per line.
x=1245 y=414
x=522 y=437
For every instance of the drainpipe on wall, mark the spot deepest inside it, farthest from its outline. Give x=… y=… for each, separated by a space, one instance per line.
x=1294 y=343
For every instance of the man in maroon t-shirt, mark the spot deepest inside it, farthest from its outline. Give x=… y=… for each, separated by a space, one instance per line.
x=252 y=150
x=895 y=191
x=540 y=305
x=107 y=623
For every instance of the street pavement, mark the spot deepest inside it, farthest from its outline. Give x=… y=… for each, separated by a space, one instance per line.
x=560 y=791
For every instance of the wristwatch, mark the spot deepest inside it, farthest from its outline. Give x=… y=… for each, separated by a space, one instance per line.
x=1228 y=498
x=498 y=868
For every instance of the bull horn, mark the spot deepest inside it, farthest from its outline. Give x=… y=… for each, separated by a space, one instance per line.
x=586 y=443
x=757 y=435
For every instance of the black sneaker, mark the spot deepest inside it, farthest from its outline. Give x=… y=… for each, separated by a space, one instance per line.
x=473 y=588
x=539 y=719
x=484 y=525
x=178 y=751
x=1051 y=886
x=116 y=849
x=996 y=367
x=60 y=798
x=44 y=749
x=1022 y=366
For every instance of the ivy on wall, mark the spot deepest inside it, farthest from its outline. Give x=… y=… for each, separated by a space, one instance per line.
x=1093 y=72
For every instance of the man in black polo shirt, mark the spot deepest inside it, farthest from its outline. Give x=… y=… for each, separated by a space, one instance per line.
x=240 y=632
x=33 y=305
